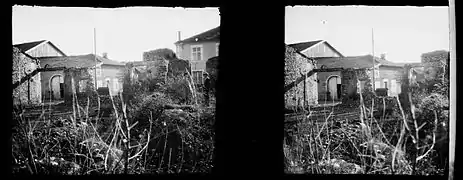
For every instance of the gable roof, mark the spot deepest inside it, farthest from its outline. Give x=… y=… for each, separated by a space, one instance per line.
x=29 y=45
x=302 y=46
x=24 y=47
x=209 y=35
x=303 y=55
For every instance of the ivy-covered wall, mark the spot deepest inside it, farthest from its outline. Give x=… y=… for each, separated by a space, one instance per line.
x=30 y=91
x=295 y=67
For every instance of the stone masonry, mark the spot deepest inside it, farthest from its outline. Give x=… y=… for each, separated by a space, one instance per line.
x=296 y=66
x=29 y=92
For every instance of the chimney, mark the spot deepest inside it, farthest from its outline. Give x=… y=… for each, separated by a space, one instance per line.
x=179 y=36
x=105 y=55
x=383 y=56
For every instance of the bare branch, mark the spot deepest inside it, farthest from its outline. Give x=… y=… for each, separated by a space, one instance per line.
x=433 y=138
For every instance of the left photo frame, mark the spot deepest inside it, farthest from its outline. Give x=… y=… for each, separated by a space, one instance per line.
x=114 y=90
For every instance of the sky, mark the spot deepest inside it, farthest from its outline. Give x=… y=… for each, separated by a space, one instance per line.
x=123 y=33
x=402 y=33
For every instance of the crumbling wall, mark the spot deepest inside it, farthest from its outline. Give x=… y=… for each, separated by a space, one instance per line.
x=78 y=81
x=353 y=81
x=30 y=91
x=153 y=68
x=177 y=67
x=296 y=66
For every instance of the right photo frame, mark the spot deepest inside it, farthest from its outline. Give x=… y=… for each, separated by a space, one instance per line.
x=367 y=90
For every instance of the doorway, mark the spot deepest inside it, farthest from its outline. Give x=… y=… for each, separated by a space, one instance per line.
x=334 y=88
x=57 y=87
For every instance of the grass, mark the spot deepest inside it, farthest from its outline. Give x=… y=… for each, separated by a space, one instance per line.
x=170 y=141
x=363 y=145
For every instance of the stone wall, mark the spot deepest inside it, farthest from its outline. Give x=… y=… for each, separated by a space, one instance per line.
x=295 y=67
x=28 y=92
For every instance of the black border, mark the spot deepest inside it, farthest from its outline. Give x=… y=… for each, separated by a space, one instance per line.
x=250 y=101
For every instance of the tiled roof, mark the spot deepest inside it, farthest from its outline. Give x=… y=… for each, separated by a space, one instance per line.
x=389 y=63
x=357 y=62
x=304 y=45
x=26 y=46
x=354 y=62
x=80 y=61
x=210 y=35
x=110 y=62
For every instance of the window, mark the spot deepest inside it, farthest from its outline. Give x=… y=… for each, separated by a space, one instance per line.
x=99 y=83
x=377 y=84
x=216 y=49
x=179 y=51
x=115 y=84
x=107 y=82
x=393 y=87
x=385 y=83
x=196 y=52
x=376 y=73
x=198 y=77
x=98 y=71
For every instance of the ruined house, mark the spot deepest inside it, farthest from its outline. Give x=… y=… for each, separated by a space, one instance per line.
x=36 y=50
x=297 y=65
x=316 y=49
x=387 y=75
x=79 y=68
x=109 y=73
x=26 y=79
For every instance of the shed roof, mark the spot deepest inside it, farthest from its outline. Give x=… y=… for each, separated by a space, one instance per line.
x=209 y=35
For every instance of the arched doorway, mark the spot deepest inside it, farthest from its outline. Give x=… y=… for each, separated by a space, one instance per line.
x=57 y=87
x=334 y=88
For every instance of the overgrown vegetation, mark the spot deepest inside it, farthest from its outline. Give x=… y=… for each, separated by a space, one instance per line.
x=388 y=136
x=152 y=132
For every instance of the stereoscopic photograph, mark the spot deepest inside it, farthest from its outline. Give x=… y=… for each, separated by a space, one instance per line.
x=113 y=90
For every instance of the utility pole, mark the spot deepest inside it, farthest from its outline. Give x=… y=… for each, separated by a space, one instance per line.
x=373 y=59
x=94 y=46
